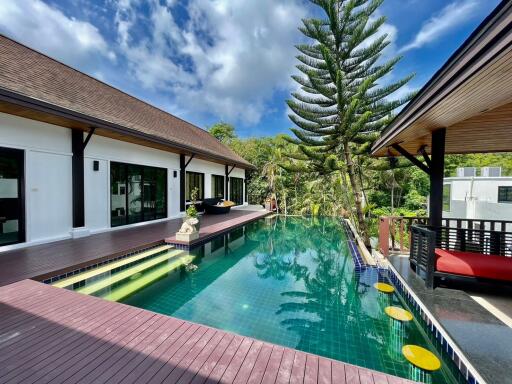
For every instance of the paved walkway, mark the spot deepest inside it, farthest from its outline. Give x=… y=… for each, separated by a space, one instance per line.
x=46 y=260
x=53 y=335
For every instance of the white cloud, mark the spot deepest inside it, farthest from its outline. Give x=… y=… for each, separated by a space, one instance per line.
x=34 y=23
x=228 y=59
x=451 y=16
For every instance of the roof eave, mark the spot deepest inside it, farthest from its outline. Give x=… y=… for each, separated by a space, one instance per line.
x=42 y=106
x=402 y=121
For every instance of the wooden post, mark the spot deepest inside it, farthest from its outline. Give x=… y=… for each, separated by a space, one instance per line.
x=226 y=182
x=384 y=236
x=436 y=178
x=77 y=164
x=182 y=183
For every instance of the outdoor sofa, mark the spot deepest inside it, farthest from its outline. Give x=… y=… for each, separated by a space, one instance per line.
x=211 y=206
x=476 y=255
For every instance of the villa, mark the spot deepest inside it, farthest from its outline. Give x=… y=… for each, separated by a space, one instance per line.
x=95 y=287
x=82 y=157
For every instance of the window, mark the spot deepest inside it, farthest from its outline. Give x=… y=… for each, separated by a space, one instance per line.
x=194 y=180
x=236 y=192
x=218 y=186
x=504 y=194
x=447 y=193
x=137 y=193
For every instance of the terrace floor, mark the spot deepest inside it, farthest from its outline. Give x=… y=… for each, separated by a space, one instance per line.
x=50 y=259
x=485 y=340
x=51 y=334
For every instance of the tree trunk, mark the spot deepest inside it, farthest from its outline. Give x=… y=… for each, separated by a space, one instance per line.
x=357 y=193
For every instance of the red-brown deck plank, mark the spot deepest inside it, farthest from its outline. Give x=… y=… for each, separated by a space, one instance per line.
x=298 y=369
x=272 y=369
x=214 y=369
x=324 y=371
x=75 y=338
x=46 y=260
x=285 y=369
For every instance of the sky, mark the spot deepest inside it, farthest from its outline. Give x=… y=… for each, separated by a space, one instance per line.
x=222 y=60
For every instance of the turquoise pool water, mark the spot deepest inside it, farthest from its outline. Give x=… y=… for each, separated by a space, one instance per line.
x=289 y=281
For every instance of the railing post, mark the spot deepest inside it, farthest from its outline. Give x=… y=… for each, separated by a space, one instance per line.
x=495 y=243
x=384 y=236
x=401 y=235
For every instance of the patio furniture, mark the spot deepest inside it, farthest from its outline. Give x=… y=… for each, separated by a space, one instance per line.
x=211 y=206
x=443 y=252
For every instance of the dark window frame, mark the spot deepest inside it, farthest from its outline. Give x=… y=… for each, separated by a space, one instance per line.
x=150 y=216
x=505 y=194
x=200 y=196
x=231 y=190
x=216 y=184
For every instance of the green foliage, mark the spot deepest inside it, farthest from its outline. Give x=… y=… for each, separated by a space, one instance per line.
x=223 y=132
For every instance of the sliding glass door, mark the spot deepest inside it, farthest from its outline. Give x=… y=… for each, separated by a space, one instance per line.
x=236 y=191
x=218 y=186
x=12 y=217
x=138 y=193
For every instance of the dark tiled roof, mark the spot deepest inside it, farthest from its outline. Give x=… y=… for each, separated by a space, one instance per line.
x=31 y=74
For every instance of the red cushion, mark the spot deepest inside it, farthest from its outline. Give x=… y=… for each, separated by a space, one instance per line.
x=474 y=264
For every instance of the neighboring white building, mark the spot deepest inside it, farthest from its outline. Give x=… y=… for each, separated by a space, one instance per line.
x=78 y=156
x=486 y=196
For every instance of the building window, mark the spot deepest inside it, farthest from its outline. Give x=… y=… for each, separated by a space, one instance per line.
x=447 y=195
x=236 y=192
x=194 y=180
x=218 y=186
x=137 y=193
x=504 y=194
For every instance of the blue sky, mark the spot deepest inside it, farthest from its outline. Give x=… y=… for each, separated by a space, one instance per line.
x=212 y=60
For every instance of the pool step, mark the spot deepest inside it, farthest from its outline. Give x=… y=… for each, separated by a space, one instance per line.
x=89 y=289
x=108 y=267
x=140 y=282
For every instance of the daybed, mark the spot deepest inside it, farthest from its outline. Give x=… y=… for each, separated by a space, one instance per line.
x=434 y=263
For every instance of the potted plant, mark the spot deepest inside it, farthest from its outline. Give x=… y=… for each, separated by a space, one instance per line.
x=191 y=211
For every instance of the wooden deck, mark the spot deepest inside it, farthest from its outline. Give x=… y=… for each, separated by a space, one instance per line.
x=42 y=261
x=53 y=335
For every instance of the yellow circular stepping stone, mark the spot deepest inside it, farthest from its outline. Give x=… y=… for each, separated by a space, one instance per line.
x=399 y=314
x=421 y=357
x=383 y=287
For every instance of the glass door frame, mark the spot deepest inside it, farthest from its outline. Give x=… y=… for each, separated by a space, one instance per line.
x=19 y=156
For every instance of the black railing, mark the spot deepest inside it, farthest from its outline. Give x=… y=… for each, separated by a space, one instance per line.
x=422 y=253
x=491 y=225
x=487 y=242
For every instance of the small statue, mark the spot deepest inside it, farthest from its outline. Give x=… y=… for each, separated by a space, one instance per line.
x=189 y=225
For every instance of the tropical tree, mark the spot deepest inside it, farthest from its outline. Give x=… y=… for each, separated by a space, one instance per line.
x=223 y=132
x=344 y=100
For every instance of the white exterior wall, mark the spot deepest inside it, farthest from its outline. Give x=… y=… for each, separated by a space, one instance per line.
x=97 y=183
x=48 y=177
x=481 y=202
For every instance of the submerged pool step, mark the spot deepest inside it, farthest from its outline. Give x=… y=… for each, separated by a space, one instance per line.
x=89 y=289
x=140 y=282
x=108 y=267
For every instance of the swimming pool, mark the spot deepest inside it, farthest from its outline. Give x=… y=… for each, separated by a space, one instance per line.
x=290 y=281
